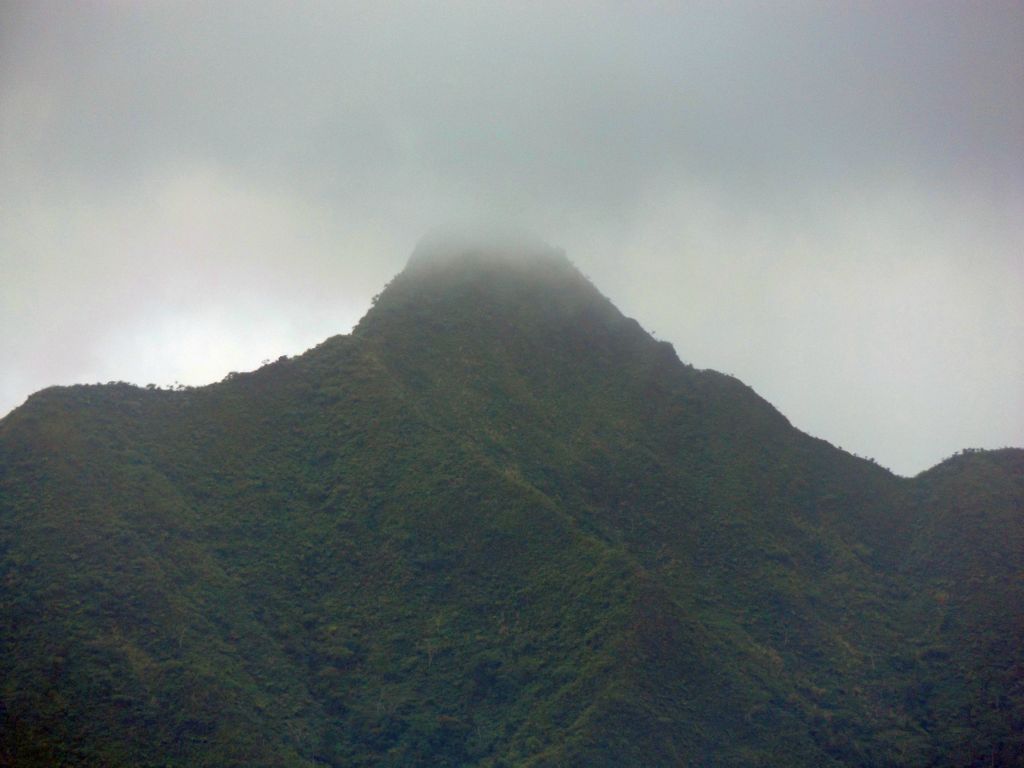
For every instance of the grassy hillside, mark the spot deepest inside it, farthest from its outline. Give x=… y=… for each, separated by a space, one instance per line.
x=498 y=524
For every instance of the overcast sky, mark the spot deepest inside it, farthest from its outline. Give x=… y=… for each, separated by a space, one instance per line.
x=824 y=199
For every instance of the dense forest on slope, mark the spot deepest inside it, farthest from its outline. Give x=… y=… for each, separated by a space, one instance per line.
x=498 y=524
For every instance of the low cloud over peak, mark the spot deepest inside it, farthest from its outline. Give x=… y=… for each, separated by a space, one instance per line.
x=824 y=200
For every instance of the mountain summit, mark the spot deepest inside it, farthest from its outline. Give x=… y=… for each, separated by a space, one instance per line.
x=498 y=524
x=487 y=269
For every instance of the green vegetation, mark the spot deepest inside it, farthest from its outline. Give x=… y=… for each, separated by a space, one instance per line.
x=496 y=525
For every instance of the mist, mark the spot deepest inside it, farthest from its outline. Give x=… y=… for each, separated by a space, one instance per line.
x=825 y=201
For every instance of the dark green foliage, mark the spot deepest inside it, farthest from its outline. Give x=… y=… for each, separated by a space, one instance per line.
x=497 y=525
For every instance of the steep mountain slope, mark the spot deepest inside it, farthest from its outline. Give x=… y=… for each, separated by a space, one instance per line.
x=498 y=524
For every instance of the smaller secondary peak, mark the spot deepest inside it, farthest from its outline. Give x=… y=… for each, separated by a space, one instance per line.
x=482 y=244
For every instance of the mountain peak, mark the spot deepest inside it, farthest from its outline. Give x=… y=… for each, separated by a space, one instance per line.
x=476 y=272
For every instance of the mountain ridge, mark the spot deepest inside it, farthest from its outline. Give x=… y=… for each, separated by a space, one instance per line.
x=497 y=524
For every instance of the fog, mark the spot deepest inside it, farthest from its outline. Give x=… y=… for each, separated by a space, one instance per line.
x=825 y=200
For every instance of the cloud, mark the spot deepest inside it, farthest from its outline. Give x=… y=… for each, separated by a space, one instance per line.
x=888 y=320
x=103 y=282
x=823 y=199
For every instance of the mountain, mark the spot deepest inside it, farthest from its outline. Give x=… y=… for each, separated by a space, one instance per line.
x=498 y=524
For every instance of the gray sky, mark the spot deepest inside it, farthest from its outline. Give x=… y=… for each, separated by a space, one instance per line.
x=824 y=199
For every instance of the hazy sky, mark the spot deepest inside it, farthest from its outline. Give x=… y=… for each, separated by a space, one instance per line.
x=824 y=199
